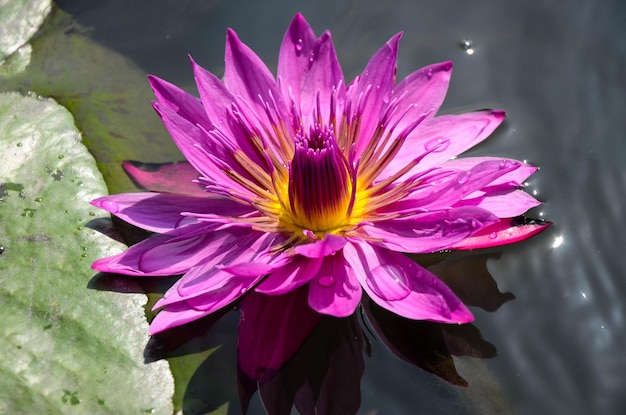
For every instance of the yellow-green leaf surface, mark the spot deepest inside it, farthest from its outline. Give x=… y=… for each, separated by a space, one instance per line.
x=65 y=348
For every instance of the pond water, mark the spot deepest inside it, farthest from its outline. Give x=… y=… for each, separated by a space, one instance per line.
x=557 y=67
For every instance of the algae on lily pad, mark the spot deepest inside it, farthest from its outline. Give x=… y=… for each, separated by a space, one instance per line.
x=65 y=348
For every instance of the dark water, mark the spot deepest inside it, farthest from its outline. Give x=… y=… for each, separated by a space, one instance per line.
x=558 y=68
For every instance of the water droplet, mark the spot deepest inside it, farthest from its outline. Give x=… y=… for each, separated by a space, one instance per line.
x=429 y=73
x=437 y=144
x=38 y=199
x=467 y=46
x=326 y=281
x=244 y=290
x=508 y=164
x=390 y=282
x=92 y=214
x=110 y=206
x=493 y=235
x=463 y=177
x=60 y=156
x=19 y=144
x=2 y=249
x=299 y=46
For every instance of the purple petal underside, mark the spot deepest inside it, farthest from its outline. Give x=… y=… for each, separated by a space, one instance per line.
x=271 y=330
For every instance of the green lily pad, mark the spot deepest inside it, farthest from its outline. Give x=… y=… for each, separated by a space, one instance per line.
x=19 y=20
x=65 y=348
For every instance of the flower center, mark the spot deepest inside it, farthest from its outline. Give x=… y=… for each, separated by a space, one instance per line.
x=319 y=183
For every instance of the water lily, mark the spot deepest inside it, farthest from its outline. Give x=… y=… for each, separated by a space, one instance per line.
x=311 y=182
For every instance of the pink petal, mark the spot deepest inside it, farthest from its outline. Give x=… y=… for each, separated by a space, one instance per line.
x=179 y=101
x=442 y=138
x=335 y=290
x=161 y=212
x=504 y=203
x=430 y=231
x=175 y=315
x=219 y=297
x=246 y=76
x=203 y=151
x=422 y=92
x=246 y=246
x=427 y=297
x=216 y=99
x=466 y=182
x=503 y=232
x=291 y=276
x=327 y=246
x=370 y=92
x=183 y=252
x=186 y=252
x=293 y=58
x=514 y=177
x=320 y=80
x=165 y=177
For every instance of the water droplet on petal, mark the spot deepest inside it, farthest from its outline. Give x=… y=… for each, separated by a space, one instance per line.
x=326 y=281
x=437 y=144
x=508 y=164
x=463 y=177
x=493 y=235
x=299 y=46
x=244 y=290
x=390 y=282
x=111 y=206
x=429 y=73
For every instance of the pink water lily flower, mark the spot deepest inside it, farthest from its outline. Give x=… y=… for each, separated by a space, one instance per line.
x=309 y=180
